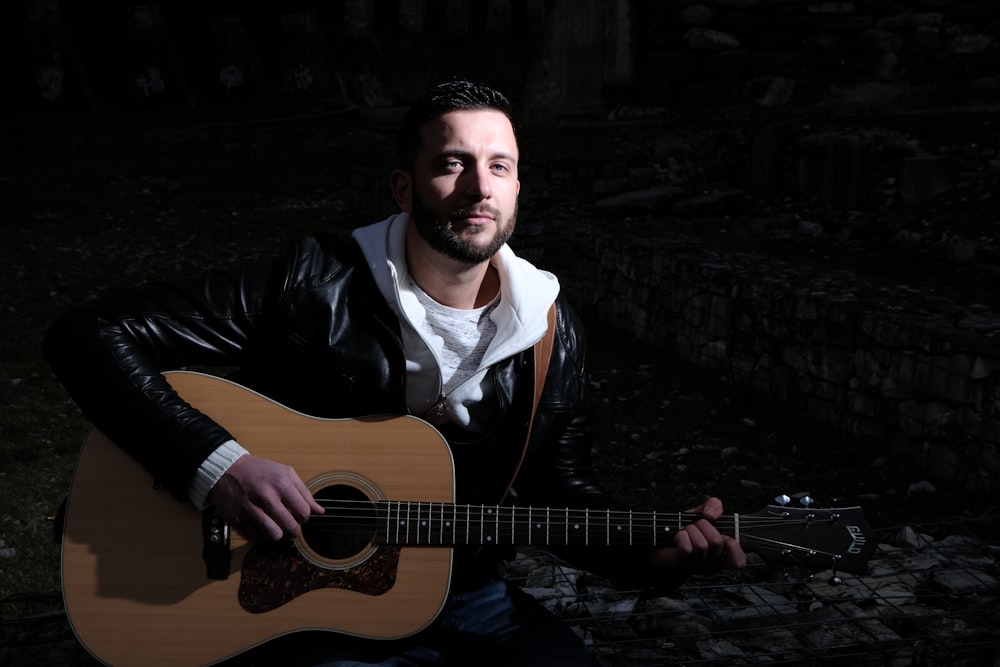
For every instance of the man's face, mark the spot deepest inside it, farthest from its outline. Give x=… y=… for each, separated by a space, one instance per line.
x=464 y=187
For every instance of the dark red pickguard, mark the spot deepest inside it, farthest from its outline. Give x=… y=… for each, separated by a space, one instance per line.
x=276 y=573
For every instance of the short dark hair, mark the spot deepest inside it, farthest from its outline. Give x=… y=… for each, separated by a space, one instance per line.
x=439 y=100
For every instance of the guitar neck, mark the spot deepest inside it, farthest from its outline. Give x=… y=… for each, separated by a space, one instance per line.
x=817 y=538
x=428 y=524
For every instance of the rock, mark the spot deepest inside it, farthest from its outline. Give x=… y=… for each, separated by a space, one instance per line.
x=963 y=582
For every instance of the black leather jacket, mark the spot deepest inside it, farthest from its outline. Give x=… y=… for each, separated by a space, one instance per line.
x=312 y=331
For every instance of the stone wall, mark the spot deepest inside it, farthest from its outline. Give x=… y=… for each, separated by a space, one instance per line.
x=915 y=376
x=818 y=303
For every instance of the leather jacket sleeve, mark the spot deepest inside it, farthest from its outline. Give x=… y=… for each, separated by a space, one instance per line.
x=108 y=355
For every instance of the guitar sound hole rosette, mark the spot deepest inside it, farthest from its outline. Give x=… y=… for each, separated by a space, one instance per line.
x=345 y=535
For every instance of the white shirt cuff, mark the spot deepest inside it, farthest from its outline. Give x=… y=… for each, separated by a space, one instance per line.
x=211 y=471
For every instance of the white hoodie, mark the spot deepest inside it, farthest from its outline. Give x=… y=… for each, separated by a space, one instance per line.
x=526 y=293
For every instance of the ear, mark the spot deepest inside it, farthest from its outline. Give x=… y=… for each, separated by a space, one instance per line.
x=401 y=183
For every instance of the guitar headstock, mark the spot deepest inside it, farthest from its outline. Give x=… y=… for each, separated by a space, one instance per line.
x=837 y=539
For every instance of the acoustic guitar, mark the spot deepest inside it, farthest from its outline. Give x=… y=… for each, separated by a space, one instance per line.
x=148 y=580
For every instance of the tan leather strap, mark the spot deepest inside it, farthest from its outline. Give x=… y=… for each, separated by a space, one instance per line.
x=543 y=354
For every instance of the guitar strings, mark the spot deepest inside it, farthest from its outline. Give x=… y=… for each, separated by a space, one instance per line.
x=353 y=510
x=440 y=523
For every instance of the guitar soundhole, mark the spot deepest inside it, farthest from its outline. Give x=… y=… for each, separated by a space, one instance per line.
x=348 y=526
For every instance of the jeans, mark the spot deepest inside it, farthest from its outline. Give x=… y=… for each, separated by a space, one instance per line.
x=496 y=625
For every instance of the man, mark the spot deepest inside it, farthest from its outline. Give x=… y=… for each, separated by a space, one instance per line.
x=428 y=313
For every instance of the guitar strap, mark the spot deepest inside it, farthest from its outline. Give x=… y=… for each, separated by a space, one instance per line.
x=543 y=354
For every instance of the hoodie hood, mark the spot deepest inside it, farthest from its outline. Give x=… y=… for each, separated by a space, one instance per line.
x=526 y=292
x=520 y=316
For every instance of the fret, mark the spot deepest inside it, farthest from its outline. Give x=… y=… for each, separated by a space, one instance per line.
x=513 y=524
x=515 y=530
x=484 y=537
x=664 y=530
x=620 y=528
x=577 y=527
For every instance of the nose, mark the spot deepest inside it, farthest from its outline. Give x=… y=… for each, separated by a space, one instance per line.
x=478 y=182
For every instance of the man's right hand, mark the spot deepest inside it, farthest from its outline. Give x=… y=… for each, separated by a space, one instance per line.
x=263 y=499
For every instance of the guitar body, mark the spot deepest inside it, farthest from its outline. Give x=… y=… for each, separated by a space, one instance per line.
x=134 y=580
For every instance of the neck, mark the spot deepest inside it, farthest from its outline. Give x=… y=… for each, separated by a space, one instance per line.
x=447 y=281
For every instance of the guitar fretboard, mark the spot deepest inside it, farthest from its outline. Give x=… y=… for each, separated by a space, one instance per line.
x=428 y=524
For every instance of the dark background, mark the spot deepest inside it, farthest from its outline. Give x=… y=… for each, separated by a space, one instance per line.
x=124 y=157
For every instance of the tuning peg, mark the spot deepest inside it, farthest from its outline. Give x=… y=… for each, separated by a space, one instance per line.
x=806 y=501
x=782 y=500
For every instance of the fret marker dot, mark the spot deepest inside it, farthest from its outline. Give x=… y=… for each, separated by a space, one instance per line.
x=423 y=523
x=402 y=523
x=618 y=528
x=447 y=523
x=489 y=539
x=489 y=511
x=538 y=525
x=576 y=526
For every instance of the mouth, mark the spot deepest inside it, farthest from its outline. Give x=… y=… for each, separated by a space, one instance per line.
x=475 y=216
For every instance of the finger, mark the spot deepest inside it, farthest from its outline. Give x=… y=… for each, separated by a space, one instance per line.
x=289 y=521
x=682 y=542
x=733 y=554
x=312 y=506
x=716 y=541
x=711 y=509
x=269 y=511
x=257 y=526
x=299 y=503
x=698 y=540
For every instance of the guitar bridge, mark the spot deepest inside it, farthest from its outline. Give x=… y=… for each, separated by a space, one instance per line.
x=215 y=548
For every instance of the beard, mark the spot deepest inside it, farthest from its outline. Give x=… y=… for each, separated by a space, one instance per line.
x=441 y=235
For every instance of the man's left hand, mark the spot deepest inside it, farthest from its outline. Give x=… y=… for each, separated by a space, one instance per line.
x=699 y=548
